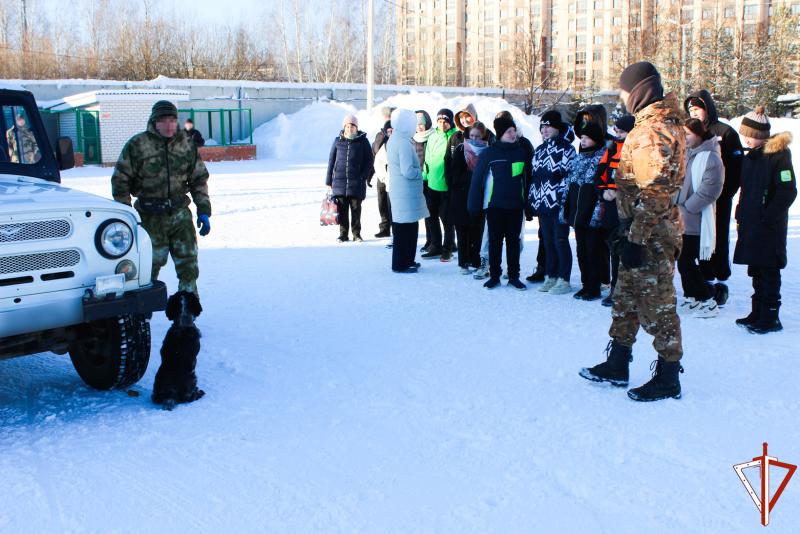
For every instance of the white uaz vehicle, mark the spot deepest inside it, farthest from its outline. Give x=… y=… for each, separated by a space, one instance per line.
x=75 y=268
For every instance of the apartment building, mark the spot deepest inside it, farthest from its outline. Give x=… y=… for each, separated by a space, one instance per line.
x=572 y=43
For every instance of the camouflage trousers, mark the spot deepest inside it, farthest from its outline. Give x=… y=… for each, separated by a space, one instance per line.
x=646 y=297
x=174 y=234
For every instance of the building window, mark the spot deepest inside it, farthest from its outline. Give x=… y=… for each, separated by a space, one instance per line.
x=597 y=55
x=580 y=58
x=730 y=12
x=708 y=13
x=750 y=12
x=598 y=39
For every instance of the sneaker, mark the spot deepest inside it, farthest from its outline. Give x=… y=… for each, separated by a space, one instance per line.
x=446 y=256
x=424 y=249
x=409 y=270
x=384 y=233
x=548 y=284
x=465 y=270
x=492 y=283
x=357 y=239
x=579 y=294
x=686 y=305
x=536 y=278
x=342 y=239
x=561 y=287
x=516 y=284
x=608 y=300
x=431 y=254
x=706 y=309
x=482 y=271
x=389 y=245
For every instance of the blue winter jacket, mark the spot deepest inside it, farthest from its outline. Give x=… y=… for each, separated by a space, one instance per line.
x=350 y=166
x=551 y=163
x=499 y=179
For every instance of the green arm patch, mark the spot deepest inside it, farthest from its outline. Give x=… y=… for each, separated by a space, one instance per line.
x=517 y=167
x=786 y=176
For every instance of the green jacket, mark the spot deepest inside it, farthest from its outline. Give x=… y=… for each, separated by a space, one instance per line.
x=435 y=152
x=152 y=166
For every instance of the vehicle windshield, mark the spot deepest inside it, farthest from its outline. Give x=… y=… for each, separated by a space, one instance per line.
x=20 y=144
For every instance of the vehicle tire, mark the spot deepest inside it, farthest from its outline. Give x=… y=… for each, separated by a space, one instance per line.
x=112 y=353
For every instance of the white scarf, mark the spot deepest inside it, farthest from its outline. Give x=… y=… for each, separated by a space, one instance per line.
x=708 y=228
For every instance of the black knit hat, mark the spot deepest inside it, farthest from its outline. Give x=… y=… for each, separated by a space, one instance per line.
x=593 y=131
x=552 y=118
x=163 y=108
x=501 y=124
x=636 y=73
x=695 y=102
x=625 y=123
x=445 y=114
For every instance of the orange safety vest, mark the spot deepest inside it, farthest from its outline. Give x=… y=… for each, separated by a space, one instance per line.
x=609 y=163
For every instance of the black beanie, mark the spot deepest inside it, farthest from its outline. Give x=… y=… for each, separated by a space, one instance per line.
x=447 y=115
x=501 y=124
x=695 y=102
x=163 y=108
x=625 y=123
x=386 y=126
x=636 y=73
x=593 y=131
x=551 y=118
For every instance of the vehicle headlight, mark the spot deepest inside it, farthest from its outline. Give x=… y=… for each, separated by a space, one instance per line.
x=113 y=239
x=128 y=268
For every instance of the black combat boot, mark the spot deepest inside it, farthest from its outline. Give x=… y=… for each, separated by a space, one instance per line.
x=664 y=384
x=768 y=321
x=615 y=369
x=755 y=312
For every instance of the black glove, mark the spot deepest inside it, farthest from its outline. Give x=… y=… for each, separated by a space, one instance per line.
x=632 y=255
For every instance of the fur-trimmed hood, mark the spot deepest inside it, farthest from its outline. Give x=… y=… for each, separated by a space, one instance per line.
x=778 y=143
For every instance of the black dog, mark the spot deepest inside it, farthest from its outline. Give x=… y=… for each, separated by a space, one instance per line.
x=176 y=382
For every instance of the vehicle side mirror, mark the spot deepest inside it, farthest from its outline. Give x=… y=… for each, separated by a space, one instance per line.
x=64 y=153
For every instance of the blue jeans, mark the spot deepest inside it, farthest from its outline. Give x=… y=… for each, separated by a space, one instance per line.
x=557 y=252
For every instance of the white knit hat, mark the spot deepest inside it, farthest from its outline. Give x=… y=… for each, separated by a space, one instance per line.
x=350 y=119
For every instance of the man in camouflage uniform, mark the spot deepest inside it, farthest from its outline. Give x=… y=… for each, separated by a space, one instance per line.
x=30 y=148
x=160 y=167
x=650 y=174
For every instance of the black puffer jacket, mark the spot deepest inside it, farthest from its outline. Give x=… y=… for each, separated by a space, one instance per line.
x=730 y=144
x=769 y=187
x=350 y=166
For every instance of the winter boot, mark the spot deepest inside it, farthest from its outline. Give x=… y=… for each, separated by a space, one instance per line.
x=536 y=278
x=492 y=283
x=755 y=312
x=720 y=293
x=516 y=284
x=664 y=384
x=431 y=254
x=548 y=284
x=483 y=270
x=615 y=369
x=342 y=239
x=446 y=256
x=383 y=233
x=767 y=321
x=588 y=294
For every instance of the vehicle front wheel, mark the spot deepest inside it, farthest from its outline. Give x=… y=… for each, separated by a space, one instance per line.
x=112 y=353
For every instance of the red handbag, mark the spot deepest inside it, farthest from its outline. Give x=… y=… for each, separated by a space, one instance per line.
x=329 y=214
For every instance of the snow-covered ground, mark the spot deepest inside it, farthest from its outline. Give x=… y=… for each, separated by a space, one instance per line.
x=344 y=398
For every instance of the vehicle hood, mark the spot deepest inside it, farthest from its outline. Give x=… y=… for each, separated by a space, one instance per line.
x=22 y=193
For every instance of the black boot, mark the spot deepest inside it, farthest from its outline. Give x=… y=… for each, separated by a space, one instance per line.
x=767 y=321
x=537 y=277
x=720 y=293
x=664 y=384
x=615 y=369
x=755 y=312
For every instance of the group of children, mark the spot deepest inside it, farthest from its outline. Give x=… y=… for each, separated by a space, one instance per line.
x=480 y=185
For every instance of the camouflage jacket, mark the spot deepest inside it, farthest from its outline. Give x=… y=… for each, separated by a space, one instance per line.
x=651 y=172
x=152 y=166
x=30 y=148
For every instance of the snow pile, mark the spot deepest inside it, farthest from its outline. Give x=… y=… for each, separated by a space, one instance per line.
x=307 y=134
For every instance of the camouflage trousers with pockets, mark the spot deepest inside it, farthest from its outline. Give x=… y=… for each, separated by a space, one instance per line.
x=174 y=234
x=645 y=297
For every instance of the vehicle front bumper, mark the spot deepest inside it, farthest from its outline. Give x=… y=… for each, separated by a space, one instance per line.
x=140 y=302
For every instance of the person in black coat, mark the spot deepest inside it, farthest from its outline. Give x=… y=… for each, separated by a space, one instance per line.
x=469 y=229
x=384 y=204
x=196 y=136
x=769 y=188
x=700 y=105
x=349 y=169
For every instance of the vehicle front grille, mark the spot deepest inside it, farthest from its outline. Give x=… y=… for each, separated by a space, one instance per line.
x=34 y=230
x=40 y=261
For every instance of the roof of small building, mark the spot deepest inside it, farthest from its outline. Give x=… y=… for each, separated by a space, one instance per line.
x=90 y=98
